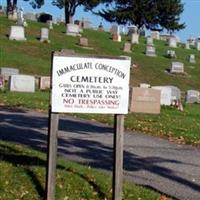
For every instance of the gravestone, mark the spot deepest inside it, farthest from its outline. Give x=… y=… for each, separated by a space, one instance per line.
x=17 y=33
x=6 y=72
x=44 y=35
x=166 y=95
x=116 y=38
x=145 y=85
x=44 y=82
x=150 y=50
x=86 y=24
x=193 y=96
x=171 y=54
x=2 y=83
x=150 y=41
x=155 y=35
x=172 y=42
x=50 y=24
x=187 y=45
x=83 y=42
x=176 y=93
x=127 y=47
x=135 y=38
x=73 y=30
x=30 y=16
x=192 y=58
x=177 y=67
x=22 y=83
x=132 y=30
x=198 y=45
x=145 y=100
x=114 y=29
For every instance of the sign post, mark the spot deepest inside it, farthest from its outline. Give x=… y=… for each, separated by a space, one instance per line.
x=88 y=84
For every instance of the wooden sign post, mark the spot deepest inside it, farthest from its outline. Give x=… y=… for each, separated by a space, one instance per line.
x=88 y=84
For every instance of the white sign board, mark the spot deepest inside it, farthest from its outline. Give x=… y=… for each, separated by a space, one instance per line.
x=90 y=85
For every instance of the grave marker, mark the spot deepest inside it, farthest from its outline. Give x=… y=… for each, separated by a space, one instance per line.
x=2 y=83
x=177 y=67
x=7 y=72
x=193 y=96
x=135 y=38
x=22 y=83
x=145 y=100
x=83 y=42
x=127 y=47
x=73 y=30
x=192 y=58
x=150 y=50
x=172 y=42
x=155 y=35
x=44 y=82
x=17 y=33
x=44 y=35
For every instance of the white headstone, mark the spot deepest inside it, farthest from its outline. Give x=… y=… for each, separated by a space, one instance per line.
x=198 y=45
x=155 y=35
x=135 y=38
x=6 y=72
x=171 y=54
x=145 y=85
x=177 y=67
x=150 y=50
x=50 y=24
x=166 y=95
x=192 y=58
x=172 y=42
x=22 y=83
x=73 y=30
x=149 y=41
x=187 y=45
x=44 y=37
x=17 y=33
x=193 y=96
x=44 y=82
x=176 y=93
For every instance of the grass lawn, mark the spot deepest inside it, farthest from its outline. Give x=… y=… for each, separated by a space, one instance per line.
x=34 y=58
x=22 y=175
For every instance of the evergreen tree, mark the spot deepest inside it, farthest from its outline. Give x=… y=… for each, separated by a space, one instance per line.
x=152 y=14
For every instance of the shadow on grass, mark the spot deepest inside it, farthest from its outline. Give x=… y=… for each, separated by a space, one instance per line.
x=91 y=144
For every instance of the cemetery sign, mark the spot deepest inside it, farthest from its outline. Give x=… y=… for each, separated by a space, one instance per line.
x=90 y=84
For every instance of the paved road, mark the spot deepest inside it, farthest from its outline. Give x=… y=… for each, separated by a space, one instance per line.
x=164 y=166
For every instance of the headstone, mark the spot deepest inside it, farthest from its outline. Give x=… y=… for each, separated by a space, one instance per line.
x=150 y=50
x=187 y=45
x=176 y=93
x=127 y=47
x=192 y=58
x=44 y=35
x=50 y=24
x=100 y=27
x=83 y=42
x=198 y=45
x=114 y=29
x=193 y=96
x=171 y=54
x=149 y=41
x=17 y=33
x=2 y=83
x=22 y=83
x=73 y=30
x=6 y=72
x=132 y=30
x=172 y=42
x=145 y=85
x=166 y=95
x=177 y=67
x=44 y=82
x=116 y=38
x=30 y=16
x=145 y=100
x=86 y=24
x=135 y=38
x=155 y=35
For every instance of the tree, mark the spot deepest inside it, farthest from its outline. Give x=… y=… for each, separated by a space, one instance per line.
x=152 y=14
x=70 y=5
x=11 y=7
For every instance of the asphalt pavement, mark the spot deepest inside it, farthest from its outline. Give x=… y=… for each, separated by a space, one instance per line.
x=156 y=163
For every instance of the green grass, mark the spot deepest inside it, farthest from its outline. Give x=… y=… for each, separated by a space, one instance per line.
x=22 y=175
x=33 y=57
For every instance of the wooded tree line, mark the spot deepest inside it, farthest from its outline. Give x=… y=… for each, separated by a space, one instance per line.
x=150 y=14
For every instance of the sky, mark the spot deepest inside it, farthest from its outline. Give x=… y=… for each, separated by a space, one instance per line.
x=190 y=15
